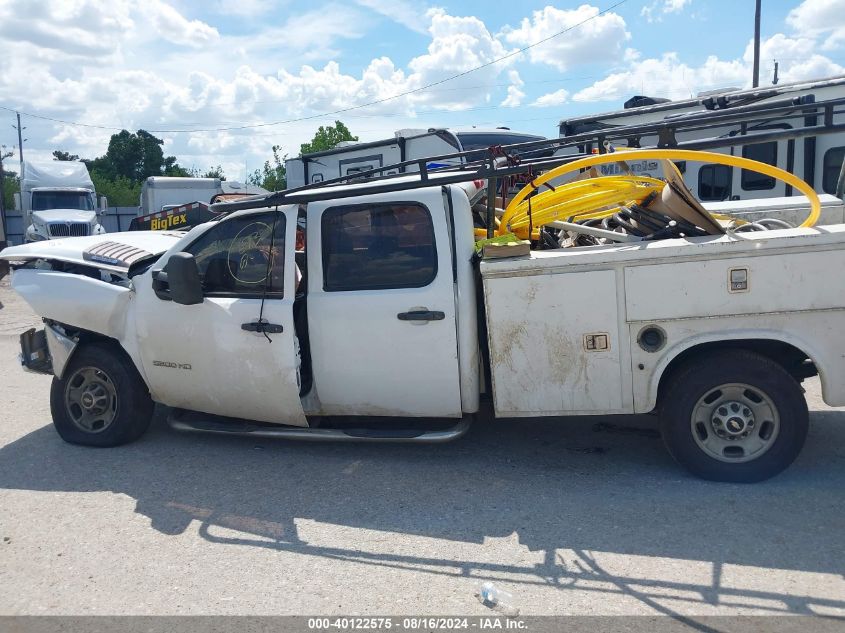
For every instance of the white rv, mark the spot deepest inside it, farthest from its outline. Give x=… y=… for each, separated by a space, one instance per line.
x=351 y=158
x=816 y=159
x=58 y=200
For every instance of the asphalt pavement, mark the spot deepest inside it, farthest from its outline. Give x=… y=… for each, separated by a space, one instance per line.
x=581 y=516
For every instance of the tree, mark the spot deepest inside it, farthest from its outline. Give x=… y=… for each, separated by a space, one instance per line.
x=135 y=156
x=215 y=172
x=63 y=155
x=273 y=176
x=11 y=183
x=120 y=191
x=327 y=137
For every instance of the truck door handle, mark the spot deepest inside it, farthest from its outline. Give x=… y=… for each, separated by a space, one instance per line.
x=263 y=326
x=421 y=315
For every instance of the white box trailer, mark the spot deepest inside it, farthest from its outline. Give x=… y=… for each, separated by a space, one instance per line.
x=352 y=158
x=816 y=159
x=159 y=193
x=162 y=193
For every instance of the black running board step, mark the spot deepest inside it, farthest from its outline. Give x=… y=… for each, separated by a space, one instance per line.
x=196 y=422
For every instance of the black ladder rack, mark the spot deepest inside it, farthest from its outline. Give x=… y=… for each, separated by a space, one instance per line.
x=516 y=159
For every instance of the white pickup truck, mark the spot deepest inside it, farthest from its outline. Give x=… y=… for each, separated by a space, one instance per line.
x=713 y=333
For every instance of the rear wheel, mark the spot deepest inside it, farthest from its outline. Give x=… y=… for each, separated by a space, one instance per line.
x=101 y=399
x=733 y=416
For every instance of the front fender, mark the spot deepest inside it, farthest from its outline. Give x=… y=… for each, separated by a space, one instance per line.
x=77 y=300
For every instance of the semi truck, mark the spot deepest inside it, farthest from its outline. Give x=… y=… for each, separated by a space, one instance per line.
x=58 y=200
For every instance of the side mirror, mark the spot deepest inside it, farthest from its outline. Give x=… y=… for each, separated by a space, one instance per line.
x=17 y=202
x=104 y=205
x=183 y=277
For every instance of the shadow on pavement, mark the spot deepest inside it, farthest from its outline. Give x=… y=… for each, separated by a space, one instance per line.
x=568 y=489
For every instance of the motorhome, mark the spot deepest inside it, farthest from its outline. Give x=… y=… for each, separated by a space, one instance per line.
x=652 y=121
x=352 y=158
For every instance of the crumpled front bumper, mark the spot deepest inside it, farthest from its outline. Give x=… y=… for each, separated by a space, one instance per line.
x=46 y=351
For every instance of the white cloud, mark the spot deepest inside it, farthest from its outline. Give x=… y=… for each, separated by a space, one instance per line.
x=816 y=18
x=556 y=98
x=653 y=12
x=244 y=8
x=515 y=92
x=403 y=12
x=458 y=44
x=176 y=28
x=88 y=28
x=668 y=76
x=598 y=38
x=798 y=58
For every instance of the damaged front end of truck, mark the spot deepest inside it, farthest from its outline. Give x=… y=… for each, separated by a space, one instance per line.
x=81 y=288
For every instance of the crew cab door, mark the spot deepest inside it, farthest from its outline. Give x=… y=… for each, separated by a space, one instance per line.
x=381 y=306
x=209 y=357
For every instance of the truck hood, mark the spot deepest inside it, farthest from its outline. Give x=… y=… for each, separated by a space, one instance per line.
x=64 y=215
x=113 y=251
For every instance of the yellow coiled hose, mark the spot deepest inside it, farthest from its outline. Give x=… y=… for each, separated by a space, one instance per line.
x=601 y=196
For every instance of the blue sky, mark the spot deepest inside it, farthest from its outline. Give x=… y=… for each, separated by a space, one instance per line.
x=195 y=67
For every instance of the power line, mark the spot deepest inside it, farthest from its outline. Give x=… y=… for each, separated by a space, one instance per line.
x=350 y=108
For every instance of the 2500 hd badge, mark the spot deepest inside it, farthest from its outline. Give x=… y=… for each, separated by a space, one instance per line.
x=165 y=363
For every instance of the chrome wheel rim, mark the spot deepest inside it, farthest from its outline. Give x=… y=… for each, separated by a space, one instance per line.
x=91 y=399
x=735 y=423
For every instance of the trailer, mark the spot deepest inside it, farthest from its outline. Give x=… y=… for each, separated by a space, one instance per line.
x=646 y=121
x=355 y=160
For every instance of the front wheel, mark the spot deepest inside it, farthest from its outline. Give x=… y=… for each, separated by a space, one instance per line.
x=100 y=400
x=733 y=416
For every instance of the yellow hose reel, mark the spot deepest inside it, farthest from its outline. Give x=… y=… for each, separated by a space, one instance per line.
x=602 y=196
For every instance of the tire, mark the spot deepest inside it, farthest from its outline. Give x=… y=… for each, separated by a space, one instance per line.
x=733 y=415
x=101 y=400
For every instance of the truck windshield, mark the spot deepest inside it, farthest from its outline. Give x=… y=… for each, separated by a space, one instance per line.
x=46 y=200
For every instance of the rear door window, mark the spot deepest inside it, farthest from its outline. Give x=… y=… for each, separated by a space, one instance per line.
x=380 y=246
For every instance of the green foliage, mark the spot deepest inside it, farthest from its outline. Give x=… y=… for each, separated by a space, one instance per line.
x=63 y=155
x=215 y=172
x=11 y=186
x=273 y=176
x=135 y=156
x=172 y=168
x=327 y=137
x=120 y=191
x=129 y=160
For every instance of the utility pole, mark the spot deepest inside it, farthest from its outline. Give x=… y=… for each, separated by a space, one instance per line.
x=775 y=78
x=20 y=139
x=3 y=238
x=757 y=44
